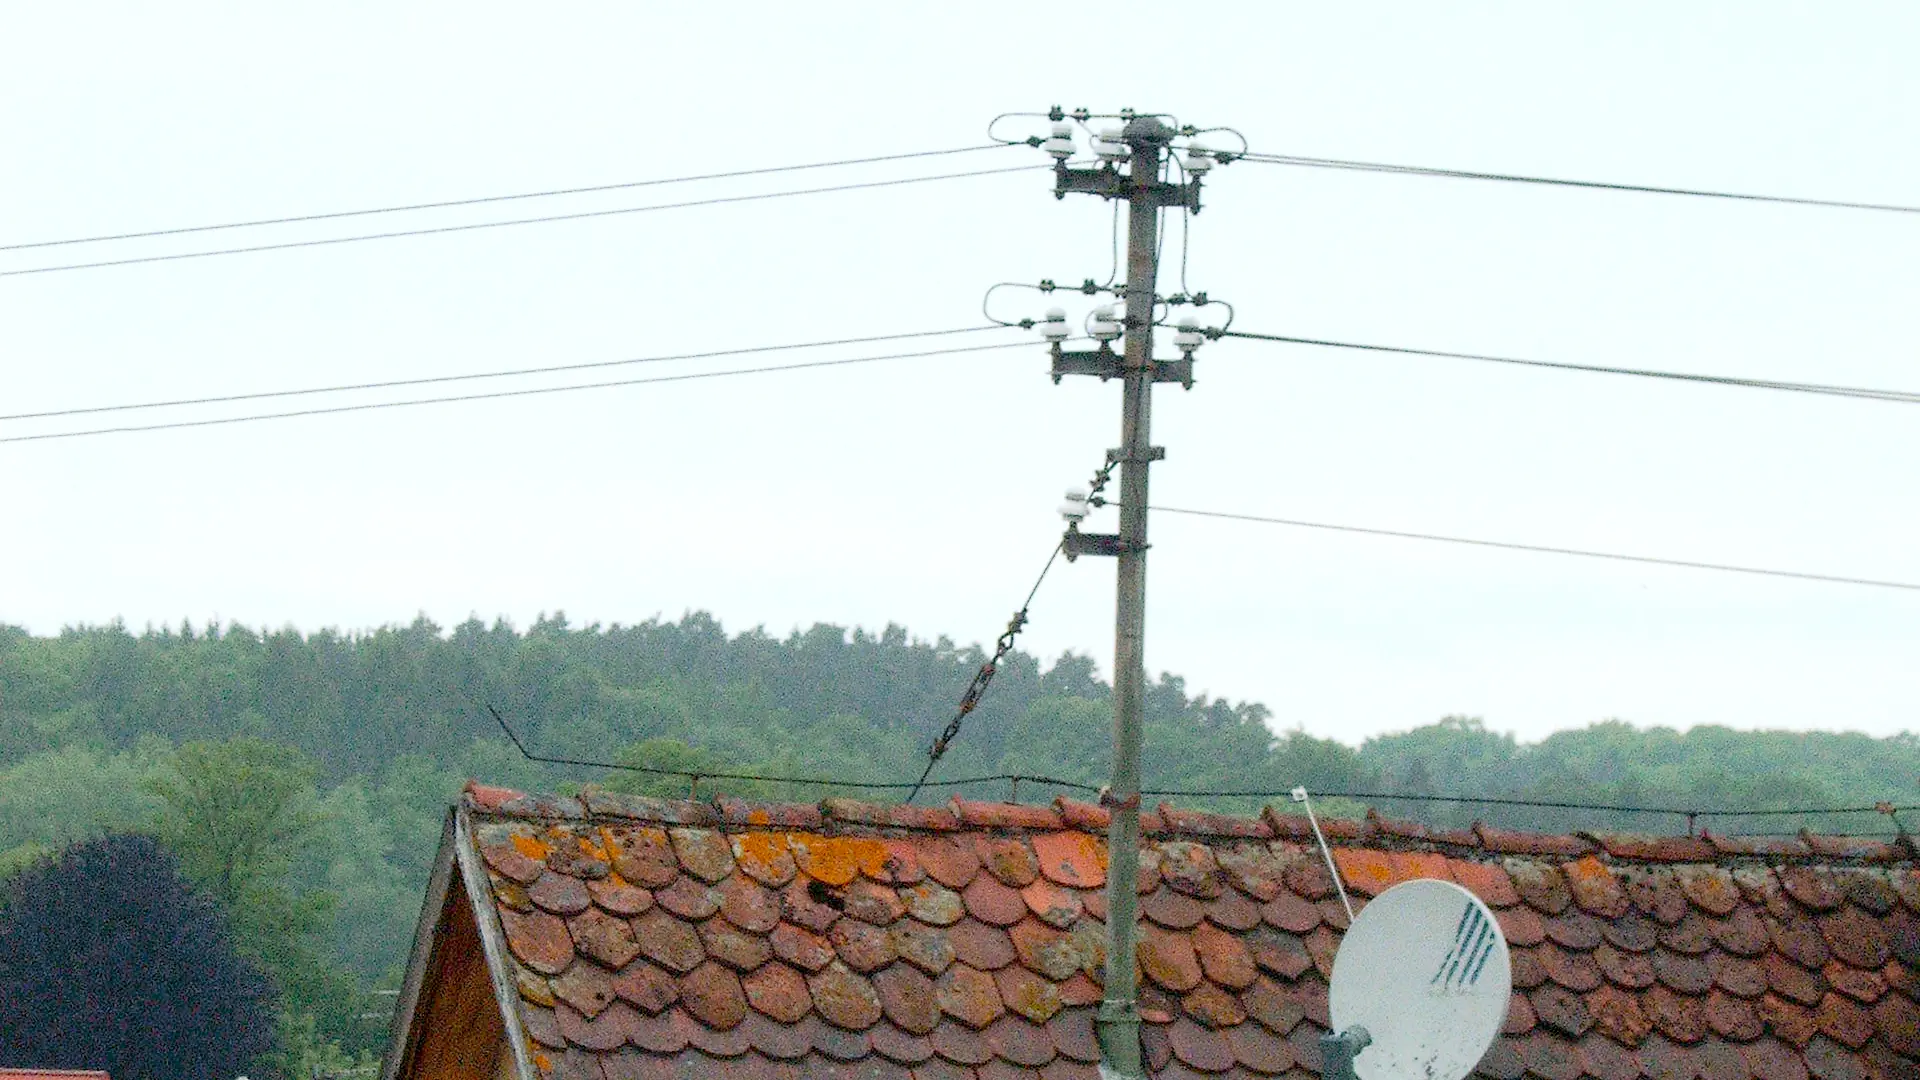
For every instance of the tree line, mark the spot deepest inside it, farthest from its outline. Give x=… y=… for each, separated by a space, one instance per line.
x=300 y=779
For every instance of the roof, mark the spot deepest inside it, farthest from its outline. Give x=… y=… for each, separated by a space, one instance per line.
x=651 y=938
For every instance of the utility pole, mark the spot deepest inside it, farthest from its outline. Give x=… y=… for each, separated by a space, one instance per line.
x=1146 y=141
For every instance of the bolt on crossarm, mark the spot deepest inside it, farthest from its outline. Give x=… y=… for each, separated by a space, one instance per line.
x=1143 y=144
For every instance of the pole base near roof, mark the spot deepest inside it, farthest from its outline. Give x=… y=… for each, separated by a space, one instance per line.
x=1117 y=1028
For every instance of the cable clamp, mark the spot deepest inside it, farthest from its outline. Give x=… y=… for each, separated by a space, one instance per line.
x=1108 y=800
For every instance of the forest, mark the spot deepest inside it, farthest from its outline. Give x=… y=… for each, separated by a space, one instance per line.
x=302 y=779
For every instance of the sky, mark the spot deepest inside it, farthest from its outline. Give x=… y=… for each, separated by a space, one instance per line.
x=922 y=491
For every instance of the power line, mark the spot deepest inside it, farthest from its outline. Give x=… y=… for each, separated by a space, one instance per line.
x=1824 y=389
x=1540 y=549
x=344 y=387
x=1463 y=174
x=332 y=215
x=576 y=216
x=694 y=776
x=336 y=409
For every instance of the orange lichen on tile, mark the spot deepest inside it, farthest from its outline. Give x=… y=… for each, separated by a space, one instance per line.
x=1595 y=888
x=759 y=853
x=609 y=848
x=532 y=847
x=594 y=847
x=1074 y=859
x=1414 y=865
x=1365 y=871
x=837 y=860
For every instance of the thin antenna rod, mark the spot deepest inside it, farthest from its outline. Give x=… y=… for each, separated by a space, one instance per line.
x=1300 y=796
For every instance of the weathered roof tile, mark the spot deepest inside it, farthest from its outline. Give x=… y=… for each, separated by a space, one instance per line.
x=778 y=991
x=782 y=1042
x=585 y=987
x=540 y=940
x=985 y=815
x=1618 y=1016
x=969 y=996
x=741 y=941
x=749 y=905
x=1844 y=1021
x=644 y=858
x=800 y=947
x=900 y=1047
x=907 y=998
x=1733 y=1018
x=1052 y=904
x=711 y=994
x=1028 y=994
x=1173 y=910
x=734 y=947
x=872 y=903
x=1513 y=842
x=992 y=902
x=764 y=857
x=861 y=946
x=606 y=938
x=922 y=946
x=668 y=941
x=1169 y=960
x=949 y=861
x=616 y=897
x=740 y=813
x=646 y=987
x=844 y=998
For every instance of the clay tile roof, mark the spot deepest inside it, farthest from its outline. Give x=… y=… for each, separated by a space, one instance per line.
x=730 y=940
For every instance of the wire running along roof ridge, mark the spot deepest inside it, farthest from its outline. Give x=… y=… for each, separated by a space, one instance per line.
x=1164 y=822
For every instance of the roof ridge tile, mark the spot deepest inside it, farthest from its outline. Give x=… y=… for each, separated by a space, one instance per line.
x=739 y=812
x=618 y=804
x=1522 y=842
x=1645 y=847
x=1206 y=823
x=1167 y=822
x=1004 y=815
x=888 y=815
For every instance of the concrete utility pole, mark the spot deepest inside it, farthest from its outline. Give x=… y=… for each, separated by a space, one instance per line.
x=1147 y=141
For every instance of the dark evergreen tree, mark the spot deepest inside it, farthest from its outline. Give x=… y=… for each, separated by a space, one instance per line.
x=108 y=960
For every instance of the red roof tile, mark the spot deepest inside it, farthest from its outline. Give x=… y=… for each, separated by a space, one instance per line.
x=657 y=938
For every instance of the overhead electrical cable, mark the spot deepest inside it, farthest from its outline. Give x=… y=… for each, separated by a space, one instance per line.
x=484 y=199
x=507 y=373
x=1825 y=389
x=1597 y=185
x=544 y=219
x=530 y=392
x=695 y=776
x=1688 y=564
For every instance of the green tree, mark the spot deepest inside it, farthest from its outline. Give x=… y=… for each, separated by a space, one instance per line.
x=242 y=815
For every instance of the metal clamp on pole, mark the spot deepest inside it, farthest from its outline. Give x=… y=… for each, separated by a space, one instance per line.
x=1338 y=1049
x=1077 y=543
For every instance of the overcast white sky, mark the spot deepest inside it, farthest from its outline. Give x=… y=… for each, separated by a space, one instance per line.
x=922 y=492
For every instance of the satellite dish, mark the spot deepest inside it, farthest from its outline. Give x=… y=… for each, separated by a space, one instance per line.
x=1424 y=971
